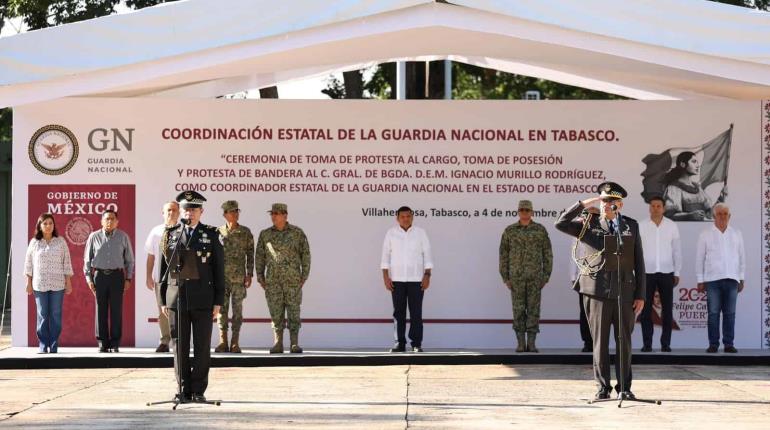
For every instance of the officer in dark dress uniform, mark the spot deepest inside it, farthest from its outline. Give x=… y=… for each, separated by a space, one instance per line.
x=597 y=281
x=192 y=292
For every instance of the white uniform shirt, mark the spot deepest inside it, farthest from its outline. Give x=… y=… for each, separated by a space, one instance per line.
x=152 y=247
x=406 y=254
x=720 y=255
x=662 y=246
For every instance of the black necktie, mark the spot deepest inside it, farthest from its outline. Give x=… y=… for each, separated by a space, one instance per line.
x=189 y=232
x=612 y=226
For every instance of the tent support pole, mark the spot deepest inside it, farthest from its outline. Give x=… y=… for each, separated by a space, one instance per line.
x=401 y=80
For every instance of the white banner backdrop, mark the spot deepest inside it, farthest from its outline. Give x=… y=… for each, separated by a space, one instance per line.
x=344 y=166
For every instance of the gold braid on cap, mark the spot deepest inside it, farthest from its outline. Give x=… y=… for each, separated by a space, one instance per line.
x=587 y=265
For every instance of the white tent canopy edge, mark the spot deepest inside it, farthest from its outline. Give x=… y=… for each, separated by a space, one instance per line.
x=651 y=49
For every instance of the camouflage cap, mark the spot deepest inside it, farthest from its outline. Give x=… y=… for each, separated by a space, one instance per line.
x=525 y=204
x=230 y=205
x=279 y=208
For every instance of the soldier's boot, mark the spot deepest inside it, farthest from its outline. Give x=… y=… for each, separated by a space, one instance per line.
x=294 y=337
x=277 y=342
x=234 y=343
x=521 y=342
x=531 y=342
x=222 y=347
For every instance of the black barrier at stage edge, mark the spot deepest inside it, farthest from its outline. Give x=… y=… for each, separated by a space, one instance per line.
x=310 y=360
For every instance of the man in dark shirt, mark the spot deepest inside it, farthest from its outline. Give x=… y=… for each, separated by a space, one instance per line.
x=108 y=268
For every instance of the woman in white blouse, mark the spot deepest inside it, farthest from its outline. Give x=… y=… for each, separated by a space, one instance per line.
x=49 y=271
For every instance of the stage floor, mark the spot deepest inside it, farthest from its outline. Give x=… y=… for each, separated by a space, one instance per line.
x=28 y=358
x=387 y=397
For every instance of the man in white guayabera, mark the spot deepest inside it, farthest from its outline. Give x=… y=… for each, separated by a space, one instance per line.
x=406 y=269
x=720 y=265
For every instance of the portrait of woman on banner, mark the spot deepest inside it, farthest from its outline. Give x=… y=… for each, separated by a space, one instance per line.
x=685 y=198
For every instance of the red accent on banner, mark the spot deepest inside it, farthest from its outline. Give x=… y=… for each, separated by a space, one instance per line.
x=76 y=216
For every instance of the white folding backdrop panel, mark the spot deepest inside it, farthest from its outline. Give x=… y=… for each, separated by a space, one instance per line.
x=342 y=166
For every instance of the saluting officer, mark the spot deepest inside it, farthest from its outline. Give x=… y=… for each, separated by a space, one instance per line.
x=599 y=285
x=192 y=292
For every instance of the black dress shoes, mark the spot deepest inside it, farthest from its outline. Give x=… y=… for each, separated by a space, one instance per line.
x=587 y=348
x=399 y=347
x=162 y=348
x=731 y=349
x=712 y=349
x=628 y=395
x=665 y=348
x=104 y=349
x=416 y=349
x=183 y=398
x=198 y=398
x=646 y=348
x=602 y=394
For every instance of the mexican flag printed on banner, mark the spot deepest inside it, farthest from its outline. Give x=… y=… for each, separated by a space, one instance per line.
x=715 y=160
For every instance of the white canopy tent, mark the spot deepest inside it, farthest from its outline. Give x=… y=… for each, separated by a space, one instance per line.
x=646 y=49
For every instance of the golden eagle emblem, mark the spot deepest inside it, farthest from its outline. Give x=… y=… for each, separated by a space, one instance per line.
x=54 y=151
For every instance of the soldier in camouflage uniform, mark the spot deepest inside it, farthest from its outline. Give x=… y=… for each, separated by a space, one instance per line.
x=239 y=267
x=283 y=265
x=526 y=261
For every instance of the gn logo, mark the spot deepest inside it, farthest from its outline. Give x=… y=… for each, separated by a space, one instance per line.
x=101 y=139
x=53 y=149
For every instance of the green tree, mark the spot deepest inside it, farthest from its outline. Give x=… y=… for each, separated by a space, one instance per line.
x=140 y=4
x=477 y=83
x=3 y=12
x=754 y=4
x=37 y=14
x=383 y=81
x=351 y=86
x=471 y=83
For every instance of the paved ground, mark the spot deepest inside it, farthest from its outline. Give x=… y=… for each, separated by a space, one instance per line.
x=527 y=396
x=438 y=397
